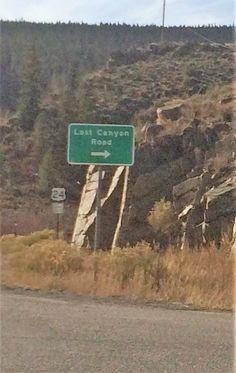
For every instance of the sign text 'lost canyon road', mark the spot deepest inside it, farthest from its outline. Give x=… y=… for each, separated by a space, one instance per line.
x=101 y=144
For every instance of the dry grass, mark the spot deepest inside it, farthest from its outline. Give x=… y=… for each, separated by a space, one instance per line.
x=207 y=107
x=201 y=278
x=26 y=219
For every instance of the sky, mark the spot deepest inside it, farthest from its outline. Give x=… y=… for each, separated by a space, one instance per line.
x=142 y=12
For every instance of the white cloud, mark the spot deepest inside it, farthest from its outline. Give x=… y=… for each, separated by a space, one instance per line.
x=129 y=11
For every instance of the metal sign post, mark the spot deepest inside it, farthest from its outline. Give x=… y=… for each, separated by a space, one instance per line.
x=100 y=144
x=58 y=209
x=97 y=234
x=58 y=226
x=58 y=196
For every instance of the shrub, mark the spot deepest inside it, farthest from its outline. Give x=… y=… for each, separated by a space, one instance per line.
x=125 y=262
x=36 y=237
x=10 y=243
x=203 y=278
x=48 y=257
x=162 y=215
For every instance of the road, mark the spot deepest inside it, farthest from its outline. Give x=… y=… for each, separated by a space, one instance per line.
x=63 y=333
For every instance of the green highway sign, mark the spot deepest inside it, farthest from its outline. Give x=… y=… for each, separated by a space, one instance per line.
x=100 y=144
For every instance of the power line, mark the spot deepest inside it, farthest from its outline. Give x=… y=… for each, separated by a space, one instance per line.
x=188 y=28
x=205 y=38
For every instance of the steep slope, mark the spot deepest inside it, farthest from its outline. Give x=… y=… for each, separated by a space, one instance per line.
x=181 y=188
x=150 y=77
x=129 y=89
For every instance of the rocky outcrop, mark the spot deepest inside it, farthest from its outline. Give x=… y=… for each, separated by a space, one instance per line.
x=207 y=207
x=127 y=57
x=184 y=169
x=227 y=99
x=171 y=112
x=189 y=191
x=133 y=55
x=83 y=234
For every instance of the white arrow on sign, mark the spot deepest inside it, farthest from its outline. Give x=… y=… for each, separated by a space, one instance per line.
x=104 y=154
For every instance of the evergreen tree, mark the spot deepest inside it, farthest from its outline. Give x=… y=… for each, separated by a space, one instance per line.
x=49 y=176
x=29 y=99
x=47 y=131
x=87 y=108
x=50 y=151
x=9 y=83
x=70 y=101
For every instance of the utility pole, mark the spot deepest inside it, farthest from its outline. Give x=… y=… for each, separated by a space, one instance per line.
x=163 y=21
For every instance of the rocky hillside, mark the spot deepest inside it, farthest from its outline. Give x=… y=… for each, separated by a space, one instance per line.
x=181 y=188
x=142 y=78
x=180 y=99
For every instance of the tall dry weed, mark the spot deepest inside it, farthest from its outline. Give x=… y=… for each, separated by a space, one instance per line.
x=202 y=278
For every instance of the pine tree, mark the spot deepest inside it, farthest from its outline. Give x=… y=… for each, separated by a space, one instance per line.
x=87 y=108
x=47 y=130
x=48 y=174
x=70 y=102
x=9 y=82
x=30 y=91
x=50 y=152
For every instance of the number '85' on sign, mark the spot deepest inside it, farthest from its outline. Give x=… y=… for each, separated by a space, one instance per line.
x=58 y=194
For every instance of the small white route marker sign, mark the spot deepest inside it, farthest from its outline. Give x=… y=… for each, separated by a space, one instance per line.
x=58 y=194
x=58 y=207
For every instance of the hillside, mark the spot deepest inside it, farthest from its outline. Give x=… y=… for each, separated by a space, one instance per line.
x=129 y=88
x=142 y=78
x=83 y=48
x=180 y=190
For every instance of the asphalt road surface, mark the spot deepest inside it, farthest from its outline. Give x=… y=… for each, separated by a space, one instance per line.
x=63 y=333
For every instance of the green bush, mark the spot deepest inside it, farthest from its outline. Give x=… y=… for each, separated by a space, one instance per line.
x=162 y=215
